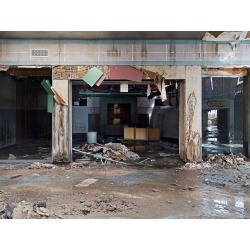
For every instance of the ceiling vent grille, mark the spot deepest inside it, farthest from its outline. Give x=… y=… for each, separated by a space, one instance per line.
x=40 y=52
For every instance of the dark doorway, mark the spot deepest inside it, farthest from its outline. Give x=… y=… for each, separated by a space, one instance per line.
x=94 y=122
x=143 y=120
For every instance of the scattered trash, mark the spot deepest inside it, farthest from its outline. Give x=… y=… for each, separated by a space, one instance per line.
x=27 y=210
x=165 y=155
x=155 y=190
x=15 y=176
x=86 y=211
x=218 y=160
x=86 y=183
x=143 y=161
x=35 y=174
x=109 y=152
x=8 y=212
x=246 y=184
x=12 y=157
x=175 y=184
x=42 y=211
x=38 y=165
x=39 y=204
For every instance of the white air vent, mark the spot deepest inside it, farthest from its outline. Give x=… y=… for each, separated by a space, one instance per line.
x=39 y=52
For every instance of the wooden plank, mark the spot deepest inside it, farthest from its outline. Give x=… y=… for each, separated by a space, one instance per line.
x=225 y=71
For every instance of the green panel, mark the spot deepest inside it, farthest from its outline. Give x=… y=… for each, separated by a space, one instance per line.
x=92 y=76
x=46 y=85
x=50 y=104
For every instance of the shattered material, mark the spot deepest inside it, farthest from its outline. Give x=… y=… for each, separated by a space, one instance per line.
x=112 y=151
x=218 y=160
x=86 y=183
x=38 y=165
x=7 y=213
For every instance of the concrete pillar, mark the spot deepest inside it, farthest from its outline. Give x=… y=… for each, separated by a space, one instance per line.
x=61 y=124
x=246 y=116
x=231 y=122
x=190 y=117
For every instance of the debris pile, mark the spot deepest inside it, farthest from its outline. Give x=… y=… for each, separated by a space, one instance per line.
x=39 y=165
x=218 y=160
x=226 y=161
x=112 y=151
x=25 y=210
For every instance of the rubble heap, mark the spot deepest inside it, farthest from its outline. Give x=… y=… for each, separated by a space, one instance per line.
x=226 y=161
x=115 y=151
x=219 y=160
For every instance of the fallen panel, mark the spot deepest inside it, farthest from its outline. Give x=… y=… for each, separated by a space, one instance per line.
x=47 y=86
x=103 y=77
x=50 y=103
x=57 y=97
x=92 y=76
x=125 y=73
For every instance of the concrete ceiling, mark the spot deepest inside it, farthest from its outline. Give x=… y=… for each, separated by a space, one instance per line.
x=104 y=35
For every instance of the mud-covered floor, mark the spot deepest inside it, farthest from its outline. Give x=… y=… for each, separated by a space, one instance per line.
x=159 y=189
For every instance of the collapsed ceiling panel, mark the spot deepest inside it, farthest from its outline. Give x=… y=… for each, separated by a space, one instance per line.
x=226 y=35
x=125 y=73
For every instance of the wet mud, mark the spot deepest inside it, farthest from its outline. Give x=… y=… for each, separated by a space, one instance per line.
x=159 y=189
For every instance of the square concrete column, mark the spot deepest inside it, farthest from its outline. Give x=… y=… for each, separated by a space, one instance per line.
x=246 y=116
x=190 y=116
x=61 y=122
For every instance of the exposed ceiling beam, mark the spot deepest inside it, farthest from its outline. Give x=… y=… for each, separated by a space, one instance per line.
x=225 y=71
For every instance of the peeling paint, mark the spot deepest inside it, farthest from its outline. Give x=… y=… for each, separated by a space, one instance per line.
x=193 y=138
x=60 y=134
x=75 y=72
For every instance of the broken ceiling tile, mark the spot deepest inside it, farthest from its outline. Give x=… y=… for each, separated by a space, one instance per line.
x=103 y=77
x=123 y=87
x=125 y=73
x=92 y=76
x=148 y=90
x=163 y=91
x=215 y=33
x=158 y=86
x=47 y=86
